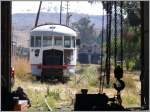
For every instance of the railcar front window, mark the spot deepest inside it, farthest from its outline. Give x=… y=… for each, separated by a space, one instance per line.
x=32 y=41
x=67 y=41
x=37 y=41
x=47 y=41
x=58 y=41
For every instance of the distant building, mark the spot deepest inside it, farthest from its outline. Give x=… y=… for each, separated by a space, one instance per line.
x=89 y=54
x=95 y=48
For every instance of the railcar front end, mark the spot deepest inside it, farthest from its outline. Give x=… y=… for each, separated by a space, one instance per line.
x=53 y=51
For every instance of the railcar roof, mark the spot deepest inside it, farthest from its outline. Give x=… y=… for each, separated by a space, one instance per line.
x=47 y=30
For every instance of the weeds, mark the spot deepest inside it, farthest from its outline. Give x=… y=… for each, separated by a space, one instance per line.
x=64 y=94
x=129 y=81
x=55 y=94
x=130 y=99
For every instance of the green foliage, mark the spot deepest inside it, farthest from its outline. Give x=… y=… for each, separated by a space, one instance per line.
x=132 y=40
x=132 y=63
x=132 y=8
x=132 y=52
x=131 y=37
x=86 y=29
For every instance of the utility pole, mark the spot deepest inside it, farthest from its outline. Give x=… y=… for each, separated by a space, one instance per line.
x=37 y=17
x=67 y=14
x=60 y=10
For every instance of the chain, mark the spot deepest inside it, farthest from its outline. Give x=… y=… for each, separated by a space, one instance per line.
x=108 y=44
x=121 y=33
x=115 y=35
x=101 y=71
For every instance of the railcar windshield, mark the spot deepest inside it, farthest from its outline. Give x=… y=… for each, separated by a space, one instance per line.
x=58 y=41
x=47 y=41
x=37 y=41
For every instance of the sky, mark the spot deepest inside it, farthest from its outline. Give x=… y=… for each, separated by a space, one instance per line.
x=54 y=6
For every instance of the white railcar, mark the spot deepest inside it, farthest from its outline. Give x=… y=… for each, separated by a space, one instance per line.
x=53 y=51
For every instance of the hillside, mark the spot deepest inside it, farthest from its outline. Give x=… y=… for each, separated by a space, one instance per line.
x=22 y=23
x=25 y=21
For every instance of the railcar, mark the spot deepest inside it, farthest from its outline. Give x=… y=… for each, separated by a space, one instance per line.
x=53 y=51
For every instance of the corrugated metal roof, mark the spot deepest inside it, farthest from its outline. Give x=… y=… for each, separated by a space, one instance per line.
x=47 y=30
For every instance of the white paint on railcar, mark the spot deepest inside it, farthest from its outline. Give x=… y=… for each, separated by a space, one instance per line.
x=58 y=30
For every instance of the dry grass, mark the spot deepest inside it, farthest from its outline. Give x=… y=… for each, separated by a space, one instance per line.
x=63 y=95
x=22 y=67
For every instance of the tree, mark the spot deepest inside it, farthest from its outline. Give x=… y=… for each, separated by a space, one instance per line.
x=86 y=29
x=132 y=9
x=131 y=37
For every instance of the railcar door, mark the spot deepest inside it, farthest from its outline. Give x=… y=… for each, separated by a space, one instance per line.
x=52 y=62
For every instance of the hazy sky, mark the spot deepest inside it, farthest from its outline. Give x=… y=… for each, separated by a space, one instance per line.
x=54 y=6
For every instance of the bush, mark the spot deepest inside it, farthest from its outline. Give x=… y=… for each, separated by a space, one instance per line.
x=137 y=65
x=133 y=63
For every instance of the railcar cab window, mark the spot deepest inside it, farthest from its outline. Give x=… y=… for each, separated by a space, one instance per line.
x=58 y=41
x=67 y=41
x=37 y=41
x=47 y=41
x=32 y=41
